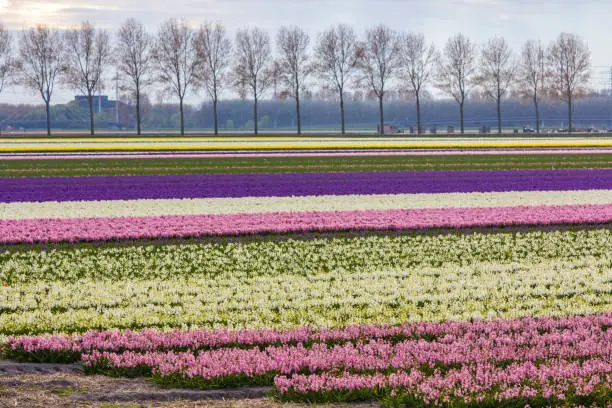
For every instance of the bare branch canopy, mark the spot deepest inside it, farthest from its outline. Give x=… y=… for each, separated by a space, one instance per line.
x=293 y=49
x=417 y=64
x=497 y=72
x=134 y=60
x=179 y=68
x=336 y=60
x=253 y=59
x=378 y=60
x=214 y=48
x=532 y=75
x=457 y=70
x=88 y=53
x=40 y=62
x=569 y=60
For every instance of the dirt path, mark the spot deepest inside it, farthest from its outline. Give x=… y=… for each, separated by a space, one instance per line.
x=64 y=386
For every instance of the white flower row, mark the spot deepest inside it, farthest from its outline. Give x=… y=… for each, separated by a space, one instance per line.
x=331 y=299
x=243 y=205
x=245 y=258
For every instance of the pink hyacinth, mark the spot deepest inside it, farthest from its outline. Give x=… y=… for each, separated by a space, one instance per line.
x=51 y=230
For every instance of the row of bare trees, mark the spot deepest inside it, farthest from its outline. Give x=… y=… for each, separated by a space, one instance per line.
x=184 y=60
x=77 y=57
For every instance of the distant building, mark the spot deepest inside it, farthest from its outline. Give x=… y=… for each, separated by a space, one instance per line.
x=100 y=102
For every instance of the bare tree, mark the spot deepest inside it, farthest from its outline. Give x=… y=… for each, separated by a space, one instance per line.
x=532 y=75
x=88 y=51
x=134 y=60
x=40 y=62
x=292 y=44
x=176 y=58
x=215 y=49
x=457 y=70
x=253 y=58
x=276 y=73
x=417 y=61
x=570 y=68
x=378 y=60
x=335 y=60
x=497 y=72
x=7 y=60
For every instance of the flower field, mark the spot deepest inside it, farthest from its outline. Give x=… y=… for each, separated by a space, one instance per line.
x=450 y=278
x=259 y=143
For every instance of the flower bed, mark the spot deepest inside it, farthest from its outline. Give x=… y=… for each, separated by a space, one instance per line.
x=324 y=299
x=308 y=254
x=100 y=229
x=254 y=205
x=500 y=360
x=434 y=288
x=28 y=189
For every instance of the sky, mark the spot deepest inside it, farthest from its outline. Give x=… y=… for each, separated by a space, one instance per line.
x=516 y=20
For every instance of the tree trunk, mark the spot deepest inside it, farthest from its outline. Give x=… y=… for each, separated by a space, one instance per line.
x=537 y=112
x=342 y=112
x=418 y=109
x=382 y=117
x=569 y=113
x=182 y=117
x=48 y=117
x=461 y=115
x=216 y=119
x=91 y=115
x=137 y=111
x=499 y=124
x=297 y=108
x=255 y=115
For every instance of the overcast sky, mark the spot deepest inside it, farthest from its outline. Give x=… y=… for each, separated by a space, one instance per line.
x=516 y=20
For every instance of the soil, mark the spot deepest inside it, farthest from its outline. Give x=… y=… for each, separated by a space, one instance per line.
x=63 y=386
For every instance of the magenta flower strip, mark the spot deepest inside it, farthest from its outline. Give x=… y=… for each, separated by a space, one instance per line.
x=468 y=384
x=435 y=362
x=566 y=328
x=373 y=355
x=53 y=230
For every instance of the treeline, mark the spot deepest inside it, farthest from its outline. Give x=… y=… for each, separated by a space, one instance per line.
x=236 y=115
x=183 y=60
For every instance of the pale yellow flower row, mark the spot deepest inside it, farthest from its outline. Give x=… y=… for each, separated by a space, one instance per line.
x=273 y=143
x=244 y=205
x=332 y=299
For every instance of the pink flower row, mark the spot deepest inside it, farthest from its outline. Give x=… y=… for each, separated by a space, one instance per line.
x=44 y=230
x=524 y=330
x=469 y=383
x=364 y=356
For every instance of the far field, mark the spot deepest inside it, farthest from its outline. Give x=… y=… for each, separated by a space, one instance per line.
x=267 y=143
x=299 y=164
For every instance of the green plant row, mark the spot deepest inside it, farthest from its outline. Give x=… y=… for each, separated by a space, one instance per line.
x=177 y=165
x=601 y=397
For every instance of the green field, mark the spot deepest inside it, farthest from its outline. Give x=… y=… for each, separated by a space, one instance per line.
x=178 y=165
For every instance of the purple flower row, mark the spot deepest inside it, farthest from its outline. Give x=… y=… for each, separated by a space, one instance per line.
x=296 y=184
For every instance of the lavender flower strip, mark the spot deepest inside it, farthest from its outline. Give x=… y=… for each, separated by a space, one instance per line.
x=297 y=184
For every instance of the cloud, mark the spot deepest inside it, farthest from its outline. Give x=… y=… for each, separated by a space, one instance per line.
x=516 y=20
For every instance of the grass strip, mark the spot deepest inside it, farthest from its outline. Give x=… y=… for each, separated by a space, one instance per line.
x=229 y=165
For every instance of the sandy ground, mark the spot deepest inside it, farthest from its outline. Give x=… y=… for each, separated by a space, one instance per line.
x=77 y=390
